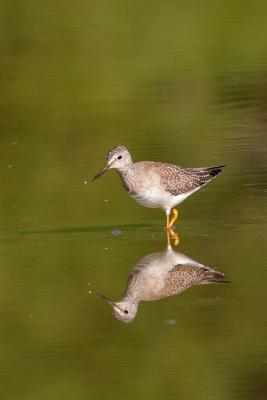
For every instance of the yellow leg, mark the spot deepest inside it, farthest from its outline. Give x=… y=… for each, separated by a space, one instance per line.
x=167 y=230
x=174 y=218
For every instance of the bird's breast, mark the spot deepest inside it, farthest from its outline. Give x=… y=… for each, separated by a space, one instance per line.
x=145 y=188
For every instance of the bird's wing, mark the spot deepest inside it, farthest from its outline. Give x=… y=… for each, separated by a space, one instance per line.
x=181 y=277
x=177 y=180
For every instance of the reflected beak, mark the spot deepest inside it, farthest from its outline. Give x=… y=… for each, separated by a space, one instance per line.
x=105 y=169
x=107 y=299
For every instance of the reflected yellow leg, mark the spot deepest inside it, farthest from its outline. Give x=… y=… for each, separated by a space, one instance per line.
x=170 y=233
x=168 y=238
x=174 y=237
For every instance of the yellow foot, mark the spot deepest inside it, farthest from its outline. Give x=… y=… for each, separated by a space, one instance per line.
x=174 y=218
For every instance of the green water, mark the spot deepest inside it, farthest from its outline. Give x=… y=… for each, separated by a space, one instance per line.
x=181 y=82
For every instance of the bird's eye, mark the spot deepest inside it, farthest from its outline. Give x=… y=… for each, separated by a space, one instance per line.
x=125 y=311
x=119 y=157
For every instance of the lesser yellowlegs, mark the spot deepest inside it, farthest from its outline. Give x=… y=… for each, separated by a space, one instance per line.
x=159 y=275
x=157 y=184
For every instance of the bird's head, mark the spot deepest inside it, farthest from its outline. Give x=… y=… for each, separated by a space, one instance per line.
x=123 y=310
x=118 y=158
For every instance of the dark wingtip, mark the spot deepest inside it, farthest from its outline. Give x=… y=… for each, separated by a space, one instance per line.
x=216 y=170
x=214 y=277
x=219 y=278
x=224 y=281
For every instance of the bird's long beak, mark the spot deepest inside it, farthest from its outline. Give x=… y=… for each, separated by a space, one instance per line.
x=112 y=303
x=105 y=169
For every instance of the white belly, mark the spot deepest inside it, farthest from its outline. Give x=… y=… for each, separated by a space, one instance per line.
x=153 y=197
x=149 y=197
x=181 y=197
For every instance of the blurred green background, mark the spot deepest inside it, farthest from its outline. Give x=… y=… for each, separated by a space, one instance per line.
x=176 y=81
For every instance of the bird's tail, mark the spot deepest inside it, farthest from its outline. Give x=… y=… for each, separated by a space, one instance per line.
x=204 y=175
x=213 y=277
x=213 y=171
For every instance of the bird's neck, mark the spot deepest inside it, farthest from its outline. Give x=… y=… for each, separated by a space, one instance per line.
x=129 y=299
x=133 y=290
x=127 y=175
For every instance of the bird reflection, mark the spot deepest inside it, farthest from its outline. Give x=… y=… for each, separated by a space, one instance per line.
x=159 y=275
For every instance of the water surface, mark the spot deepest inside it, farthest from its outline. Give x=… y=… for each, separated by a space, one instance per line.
x=182 y=83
